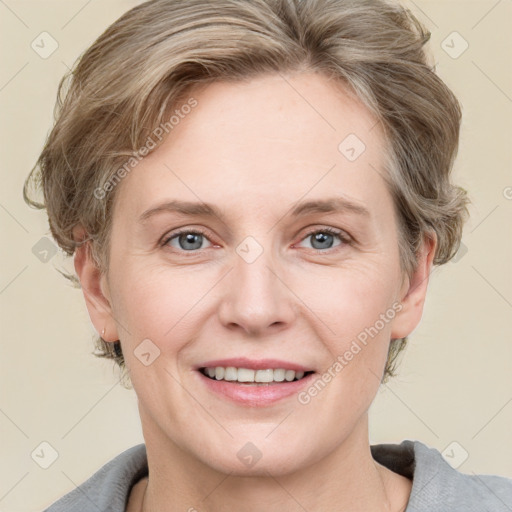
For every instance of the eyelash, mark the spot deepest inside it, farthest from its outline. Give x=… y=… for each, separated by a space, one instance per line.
x=344 y=238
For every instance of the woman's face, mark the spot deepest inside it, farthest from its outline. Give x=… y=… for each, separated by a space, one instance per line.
x=297 y=268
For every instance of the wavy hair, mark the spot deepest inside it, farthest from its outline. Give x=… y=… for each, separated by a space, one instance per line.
x=135 y=74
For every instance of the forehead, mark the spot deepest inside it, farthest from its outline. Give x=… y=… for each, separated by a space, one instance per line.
x=275 y=136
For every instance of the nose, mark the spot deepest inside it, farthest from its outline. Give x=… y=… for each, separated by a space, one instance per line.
x=256 y=298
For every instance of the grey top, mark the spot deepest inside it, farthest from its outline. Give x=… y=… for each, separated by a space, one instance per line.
x=437 y=487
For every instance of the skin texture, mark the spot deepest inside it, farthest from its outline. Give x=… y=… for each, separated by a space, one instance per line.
x=254 y=150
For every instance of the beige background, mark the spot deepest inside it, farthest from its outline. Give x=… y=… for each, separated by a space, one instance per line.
x=455 y=382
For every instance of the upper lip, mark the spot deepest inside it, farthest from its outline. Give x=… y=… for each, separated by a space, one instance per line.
x=255 y=364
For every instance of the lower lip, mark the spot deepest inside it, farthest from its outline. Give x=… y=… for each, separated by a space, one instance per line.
x=256 y=395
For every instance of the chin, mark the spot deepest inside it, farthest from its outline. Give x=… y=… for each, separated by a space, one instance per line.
x=260 y=457
x=275 y=464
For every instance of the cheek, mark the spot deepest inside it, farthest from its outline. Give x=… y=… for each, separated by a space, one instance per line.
x=348 y=299
x=157 y=302
x=354 y=311
x=161 y=305
x=164 y=303
x=144 y=306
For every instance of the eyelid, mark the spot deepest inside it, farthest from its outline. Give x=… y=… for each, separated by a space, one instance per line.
x=344 y=237
x=179 y=231
x=314 y=228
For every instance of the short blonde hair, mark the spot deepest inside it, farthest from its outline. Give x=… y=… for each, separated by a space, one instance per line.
x=134 y=75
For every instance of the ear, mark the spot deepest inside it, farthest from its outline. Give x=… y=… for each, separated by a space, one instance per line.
x=95 y=288
x=414 y=290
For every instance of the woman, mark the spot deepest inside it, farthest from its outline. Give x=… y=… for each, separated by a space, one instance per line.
x=255 y=194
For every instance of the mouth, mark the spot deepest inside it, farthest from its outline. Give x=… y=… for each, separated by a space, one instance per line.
x=252 y=383
x=253 y=377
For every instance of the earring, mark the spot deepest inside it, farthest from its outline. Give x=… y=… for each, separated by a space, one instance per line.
x=103 y=332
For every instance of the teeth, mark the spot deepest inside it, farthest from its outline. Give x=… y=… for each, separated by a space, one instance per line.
x=264 y=376
x=230 y=373
x=289 y=375
x=246 y=375
x=279 y=375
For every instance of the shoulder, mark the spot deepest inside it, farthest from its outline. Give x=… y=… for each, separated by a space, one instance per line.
x=109 y=487
x=437 y=486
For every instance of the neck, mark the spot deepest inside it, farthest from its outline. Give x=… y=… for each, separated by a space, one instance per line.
x=347 y=480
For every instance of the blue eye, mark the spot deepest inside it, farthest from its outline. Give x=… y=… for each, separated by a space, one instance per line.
x=192 y=240
x=322 y=239
x=187 y=240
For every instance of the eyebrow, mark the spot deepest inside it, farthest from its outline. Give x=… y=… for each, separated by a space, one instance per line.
x=330 y=205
